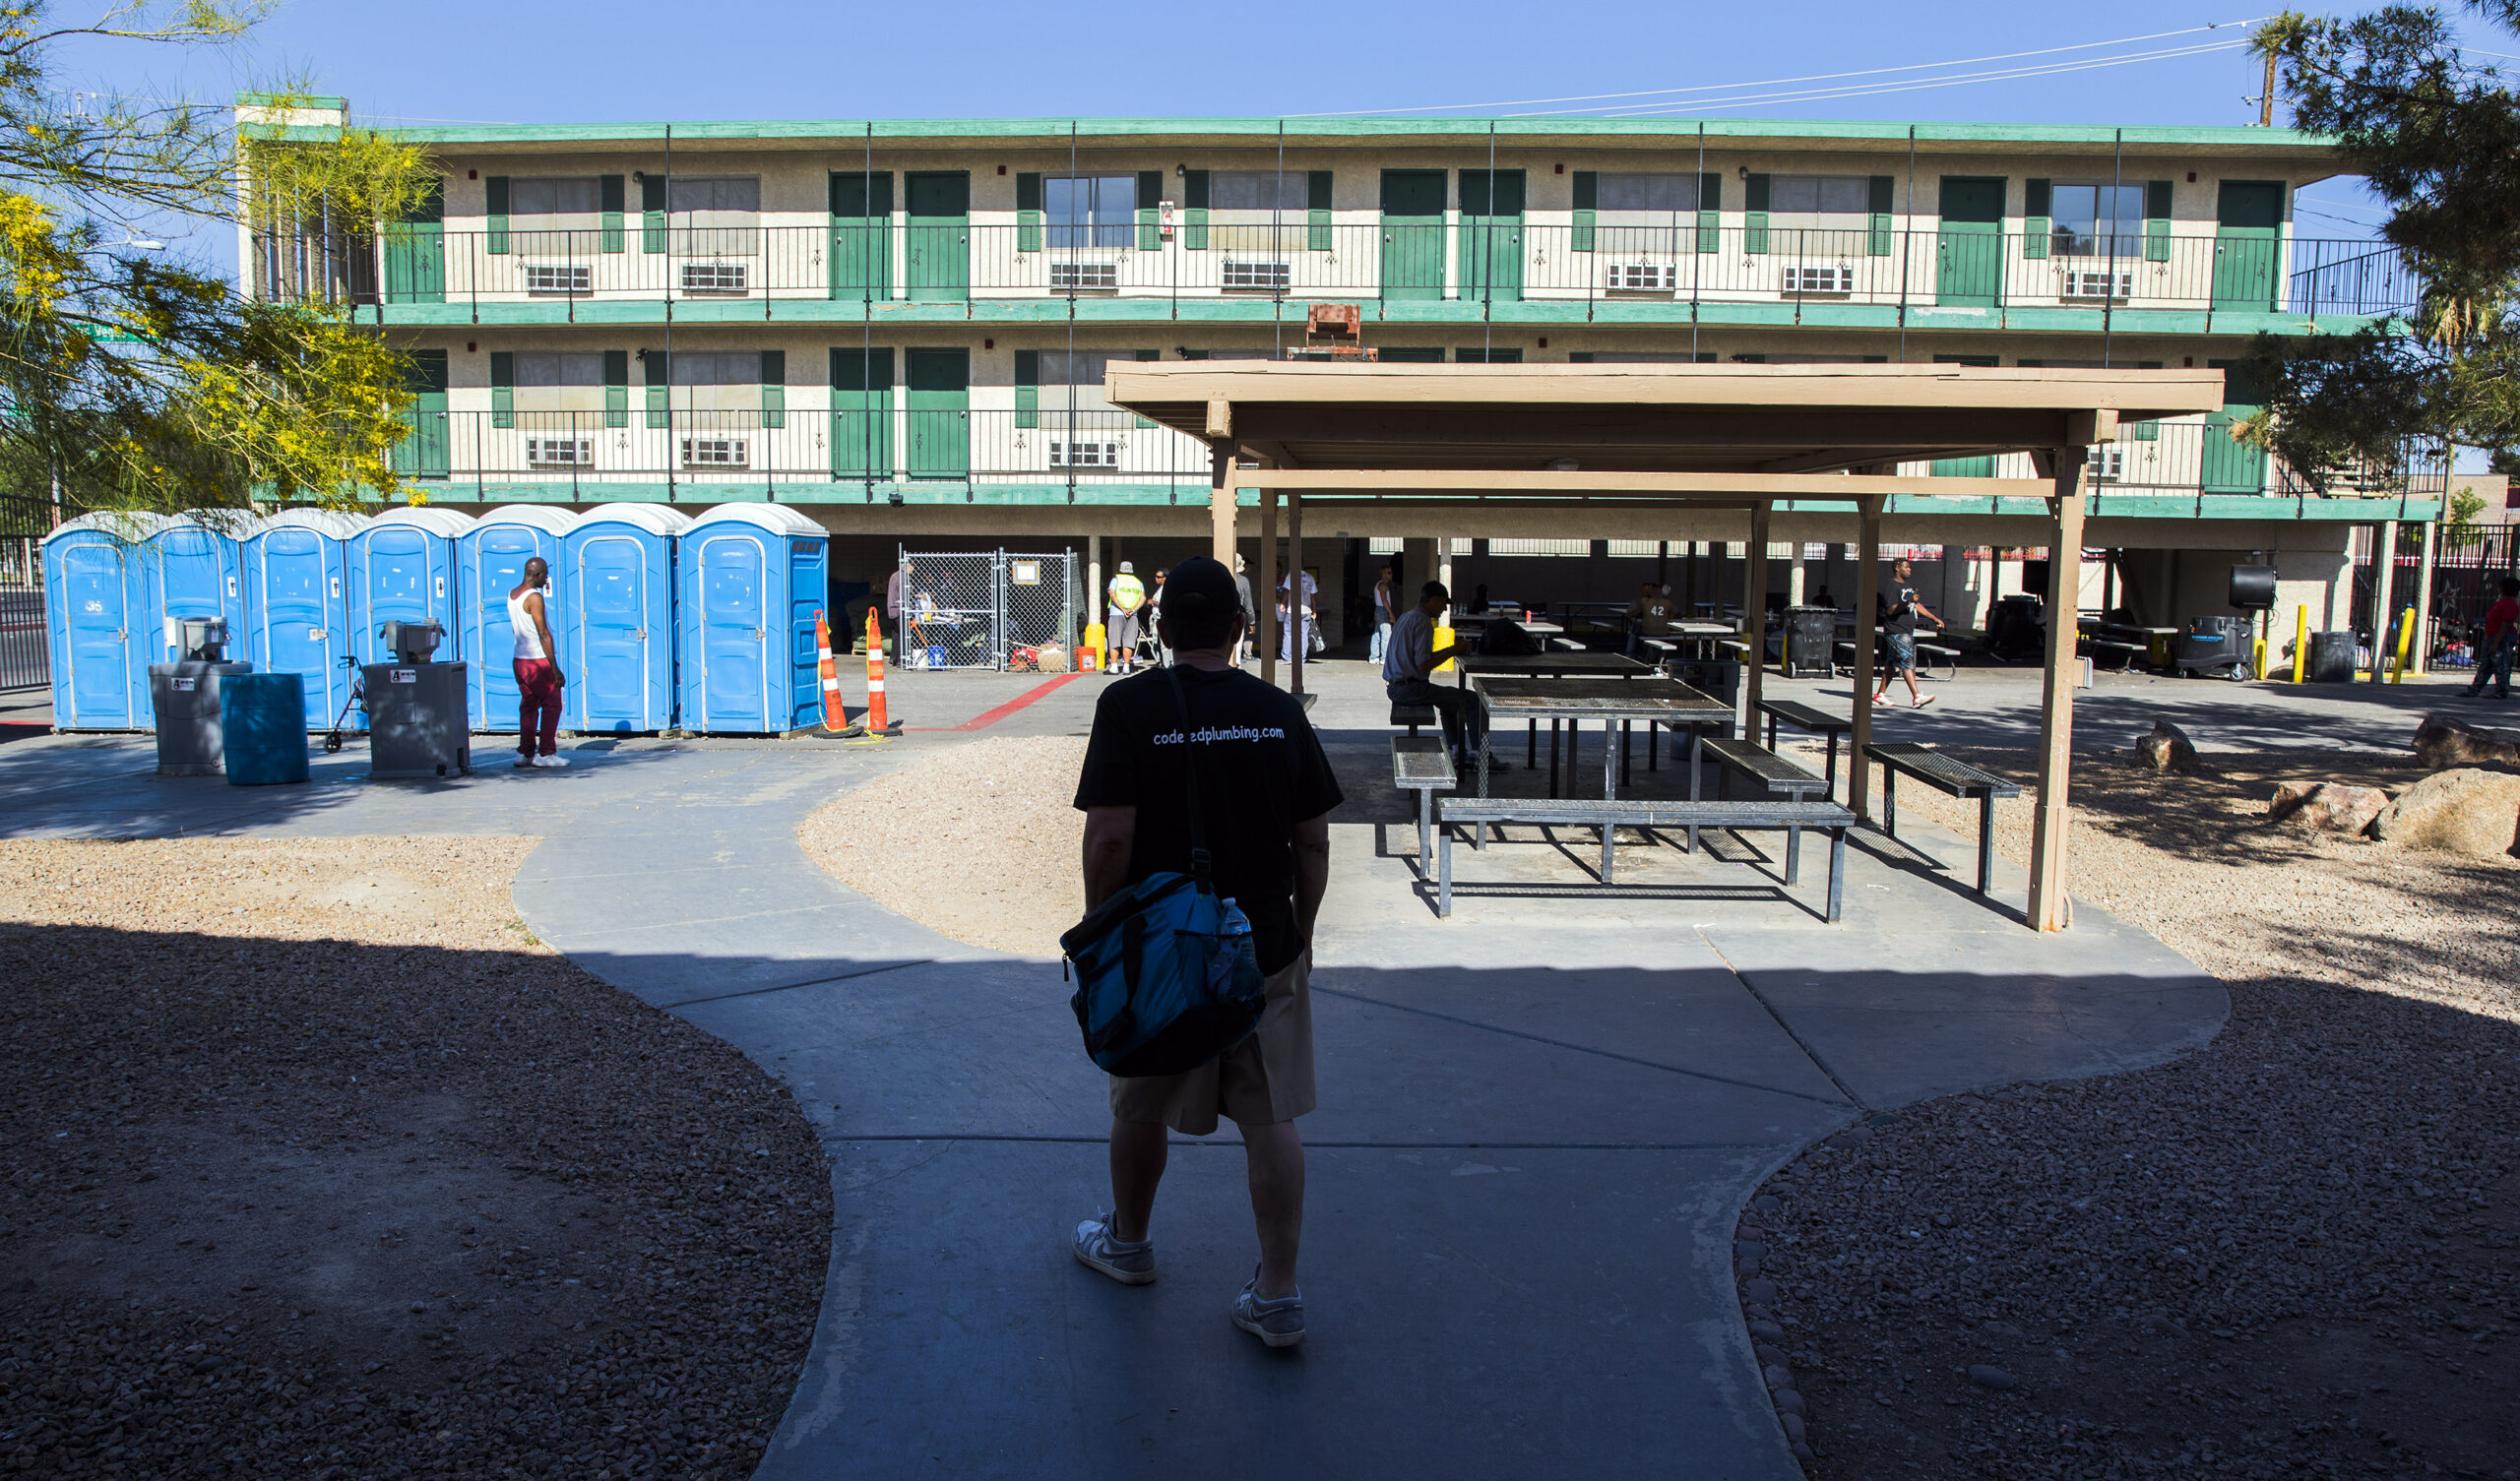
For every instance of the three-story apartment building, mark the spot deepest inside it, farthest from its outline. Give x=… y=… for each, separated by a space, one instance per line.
x=902 y=327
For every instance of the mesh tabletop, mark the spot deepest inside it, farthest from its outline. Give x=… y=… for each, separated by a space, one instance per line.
x=1597 y=698
x=1557 y=663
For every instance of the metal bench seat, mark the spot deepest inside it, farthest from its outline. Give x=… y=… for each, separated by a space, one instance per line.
x=1948 y=775
x=1790 y=817
x=1803 y=716
x=1419 y=764
x=1765 y=767
x=1412 y=715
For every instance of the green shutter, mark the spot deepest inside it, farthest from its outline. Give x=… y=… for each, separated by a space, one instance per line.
x=1028 y=387
x=1879 y=238
x=1150 y=217
x=616 y=387
x=503 y=386
x=1194 y=210
x=652 y=213
x=2037 y=217
x=1028 y=213
x=1579 y=357
x=1145 y=355
x=496 y=189
x=1755 y=219
x=615 y=200
x=1710 y=211
x=658 y=376
x=1588 y=186
x=1316 y=215
x=2156 y=220
x=774 y=388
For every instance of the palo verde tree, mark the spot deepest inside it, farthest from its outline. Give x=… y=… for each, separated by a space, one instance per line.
x=131 y=381
x=2438 y=136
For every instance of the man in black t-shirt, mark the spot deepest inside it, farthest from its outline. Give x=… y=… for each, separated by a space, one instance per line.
x=1898 y=608
x=1265 y=793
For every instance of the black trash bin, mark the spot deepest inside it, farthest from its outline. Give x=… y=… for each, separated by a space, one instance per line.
x=2332 y=658
x=1810 y=642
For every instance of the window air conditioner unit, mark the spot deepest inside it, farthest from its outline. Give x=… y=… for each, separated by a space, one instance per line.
x=2090 y=282
x=1269 y=278
x=1077 y=276
x=1819 y=279
x=716 y=277
x=1644 y=278
x=558 y=277
x=1083 y=455
x=717 y=451
x=559 y=452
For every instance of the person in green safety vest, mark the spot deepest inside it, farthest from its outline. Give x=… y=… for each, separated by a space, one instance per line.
x=1121 y=628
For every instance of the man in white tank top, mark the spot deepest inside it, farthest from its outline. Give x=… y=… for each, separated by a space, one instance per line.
x=538 y=679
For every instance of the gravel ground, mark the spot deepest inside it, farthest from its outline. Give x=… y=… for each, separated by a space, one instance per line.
x=996 y=845
x=2290 y=1255
x=314 y=1163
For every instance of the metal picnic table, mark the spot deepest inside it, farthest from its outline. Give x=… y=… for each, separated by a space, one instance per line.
x=1556 y=666
x=1615 y=703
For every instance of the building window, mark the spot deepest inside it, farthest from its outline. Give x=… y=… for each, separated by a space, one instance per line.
x=1646 y=213
x=1819 y=203
x=1089 y=211
x=2096 y=220
x=1257 y=211
x=544 y=212
x=1072 y=379
x=555 y=392
x=720 y=381
x=716 y=215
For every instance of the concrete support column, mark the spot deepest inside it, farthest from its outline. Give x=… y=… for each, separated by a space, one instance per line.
x=2050 y=908
x=2384 y=572
x=2424 y=597
x=1868 y=588
x=1221 y=497
x=1793 y=578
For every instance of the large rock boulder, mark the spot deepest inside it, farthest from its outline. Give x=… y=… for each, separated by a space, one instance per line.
x=2440 y=742
x=2166 y=748
x=2334 y=807
x=2466 y=811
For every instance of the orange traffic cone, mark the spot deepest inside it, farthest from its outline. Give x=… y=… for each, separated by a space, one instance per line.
x=834 y=710
x=876 y=721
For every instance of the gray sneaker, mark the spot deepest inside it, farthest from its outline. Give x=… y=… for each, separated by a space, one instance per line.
x=1279 y=1322
x=1098 y=1250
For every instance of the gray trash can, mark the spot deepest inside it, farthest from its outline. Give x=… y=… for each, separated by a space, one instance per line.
x=2332 y=658
x=416 y=720
x=1810 y=642
x=184 y=695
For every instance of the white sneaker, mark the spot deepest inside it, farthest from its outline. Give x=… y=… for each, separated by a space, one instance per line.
x=549 y=762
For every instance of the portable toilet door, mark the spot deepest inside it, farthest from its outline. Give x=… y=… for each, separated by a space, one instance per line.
x=298 y=607
x=403 y=569
x=617 y=605
x=750 y=578
x=197 y=566
x=96 y=592
x=491 y=563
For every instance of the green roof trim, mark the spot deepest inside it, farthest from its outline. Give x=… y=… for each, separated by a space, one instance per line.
x=307 y=101
x=1878 y=132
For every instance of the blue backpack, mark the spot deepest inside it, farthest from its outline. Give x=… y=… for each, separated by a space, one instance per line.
x=1166 y=977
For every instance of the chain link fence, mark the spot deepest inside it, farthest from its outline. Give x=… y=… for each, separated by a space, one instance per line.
x=993 y=609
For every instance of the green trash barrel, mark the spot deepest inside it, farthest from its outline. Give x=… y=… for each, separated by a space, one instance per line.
x=264 y=716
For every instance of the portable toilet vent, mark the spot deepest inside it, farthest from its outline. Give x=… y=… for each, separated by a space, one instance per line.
x=617 y=605
x=99 y=598
x=748 y=580
x=297 y=597
x=490 y=558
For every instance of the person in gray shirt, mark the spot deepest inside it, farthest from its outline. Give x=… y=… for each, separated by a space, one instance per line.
x=1408 y=663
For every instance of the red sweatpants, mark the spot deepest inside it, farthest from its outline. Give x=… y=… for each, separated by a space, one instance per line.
x=537 y=687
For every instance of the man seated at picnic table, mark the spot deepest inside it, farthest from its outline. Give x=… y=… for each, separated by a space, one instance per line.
x=1407 y=673
x=1649 y=616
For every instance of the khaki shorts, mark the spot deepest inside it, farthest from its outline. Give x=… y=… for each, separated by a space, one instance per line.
x=1264 y=1079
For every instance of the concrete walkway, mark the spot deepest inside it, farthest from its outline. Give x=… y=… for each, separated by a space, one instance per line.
x=1539 y=1119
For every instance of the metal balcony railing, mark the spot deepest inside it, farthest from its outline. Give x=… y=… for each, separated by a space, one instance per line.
x=1493 y=264
x=882 y=442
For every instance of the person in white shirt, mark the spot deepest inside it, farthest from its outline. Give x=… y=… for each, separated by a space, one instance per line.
x=1298 y=614
x=1385 y=614
x=1408 y=668
x=539 y=680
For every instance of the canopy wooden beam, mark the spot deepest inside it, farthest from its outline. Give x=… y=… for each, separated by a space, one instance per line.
x=1739 y=488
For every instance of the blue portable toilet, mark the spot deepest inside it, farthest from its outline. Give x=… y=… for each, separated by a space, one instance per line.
x=401 y=565
x=298 y=604
x=617 y=606
x=748 y=580
x=490 y=558
x=196 y=565
x=98 y=609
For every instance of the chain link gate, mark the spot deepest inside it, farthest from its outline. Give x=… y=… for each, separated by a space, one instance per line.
x=26 y=662
x=986 y=609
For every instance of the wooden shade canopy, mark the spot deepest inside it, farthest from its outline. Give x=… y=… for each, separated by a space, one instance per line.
x=1744 y=436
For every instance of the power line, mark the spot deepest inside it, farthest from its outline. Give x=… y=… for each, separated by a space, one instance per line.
x=1823 y=76
x=1872 y=89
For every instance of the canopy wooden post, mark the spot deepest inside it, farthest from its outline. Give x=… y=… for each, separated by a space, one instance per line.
x=2050 y=908
x=1868 y=588
x=1220 y=494
x=1264 y=592
x=2424 y=598
x=2384 y=570
x=1754 y=602
x=1298 y=631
